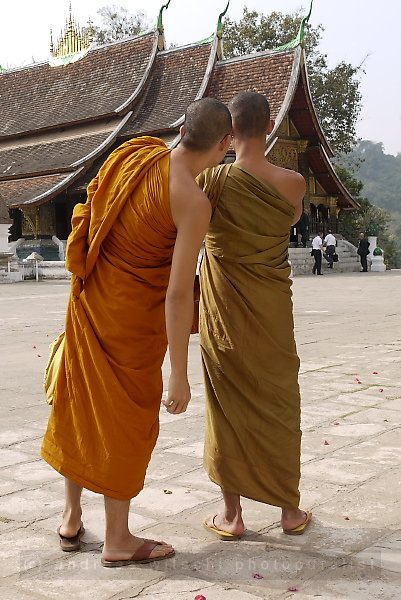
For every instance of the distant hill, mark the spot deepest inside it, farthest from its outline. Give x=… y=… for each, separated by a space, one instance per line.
x=380 y=174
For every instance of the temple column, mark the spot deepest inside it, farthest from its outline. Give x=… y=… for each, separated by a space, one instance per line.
x=38 y=229
x=333 y=217
x=39 y=221
x=303 y=168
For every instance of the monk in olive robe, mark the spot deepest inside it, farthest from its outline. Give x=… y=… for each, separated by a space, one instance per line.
x=253 y=434
x=133 y=254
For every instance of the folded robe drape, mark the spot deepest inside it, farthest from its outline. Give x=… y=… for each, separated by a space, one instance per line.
x=104 y=420
x=247 y=338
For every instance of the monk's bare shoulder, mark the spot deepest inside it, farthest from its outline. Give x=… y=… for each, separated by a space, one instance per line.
x=289 y=183
x=187 y=199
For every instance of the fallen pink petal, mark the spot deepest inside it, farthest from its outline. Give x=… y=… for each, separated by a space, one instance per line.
x=326 y=443
x=257 y=576
x=346 y=518
x=336 y=423
x=200 y=597
x=292 y=588
x=34 y=347
x=381 y=390
x=375 y=373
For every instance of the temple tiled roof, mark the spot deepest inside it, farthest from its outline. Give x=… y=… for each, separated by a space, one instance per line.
x=41 y=96
x=52 y=156
x=127 y=89
x=175 y=83
x=266 y=73
x=18 y=191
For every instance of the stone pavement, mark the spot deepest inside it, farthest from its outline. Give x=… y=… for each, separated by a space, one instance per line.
x=349 y=339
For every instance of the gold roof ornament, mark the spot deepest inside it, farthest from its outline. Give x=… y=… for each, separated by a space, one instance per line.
x=73 y=43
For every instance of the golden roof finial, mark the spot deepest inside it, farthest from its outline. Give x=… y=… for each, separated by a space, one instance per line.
x=72 y=40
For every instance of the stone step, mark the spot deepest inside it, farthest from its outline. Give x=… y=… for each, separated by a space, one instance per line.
x=348 y=260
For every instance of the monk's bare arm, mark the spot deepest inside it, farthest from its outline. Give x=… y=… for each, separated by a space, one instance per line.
x=191 y=213
x=294 y=188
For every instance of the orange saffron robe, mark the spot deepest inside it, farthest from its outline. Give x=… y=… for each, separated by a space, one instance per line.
x=105 y=414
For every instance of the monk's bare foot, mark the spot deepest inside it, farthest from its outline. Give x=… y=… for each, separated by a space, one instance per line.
x=125 y=548
x=231 y=524
x=292 y=517
x=71 y=523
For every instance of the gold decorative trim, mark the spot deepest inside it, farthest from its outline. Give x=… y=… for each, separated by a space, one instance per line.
x=73 y=43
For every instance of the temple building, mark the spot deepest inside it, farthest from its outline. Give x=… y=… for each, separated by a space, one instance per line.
x=62 y=118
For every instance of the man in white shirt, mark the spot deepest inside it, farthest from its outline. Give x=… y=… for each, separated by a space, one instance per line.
x=329 y=244
x=317 y=246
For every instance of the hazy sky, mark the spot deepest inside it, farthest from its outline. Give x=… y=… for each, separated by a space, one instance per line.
x=353 y=30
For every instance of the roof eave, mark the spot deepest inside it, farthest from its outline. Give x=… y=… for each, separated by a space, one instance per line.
x=285 y=107
x=344 y=191
x=83 y=165
x=131 y=101
x=119 y=111
x=50 y=194
x=311 y=106
x=202 y=89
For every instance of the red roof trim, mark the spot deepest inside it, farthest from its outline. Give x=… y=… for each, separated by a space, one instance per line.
x=292 y=86
x=315 y=118
x=347 y=195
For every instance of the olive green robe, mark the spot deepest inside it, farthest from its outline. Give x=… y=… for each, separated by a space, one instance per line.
x=249 y=354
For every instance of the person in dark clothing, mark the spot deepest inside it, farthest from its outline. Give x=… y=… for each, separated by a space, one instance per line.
x=329 y=245
x=317 y=247
x=302 y=228
x=363 y=251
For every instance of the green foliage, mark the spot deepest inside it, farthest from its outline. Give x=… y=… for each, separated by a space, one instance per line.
x=379 y=177
x=380 y=174
x=256 y=32
x=372 y=220
x=335 y=91
x=337 y=99
x=353 y=185
x=118 y=23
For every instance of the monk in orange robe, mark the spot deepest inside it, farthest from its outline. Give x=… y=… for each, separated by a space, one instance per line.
x=132 y=252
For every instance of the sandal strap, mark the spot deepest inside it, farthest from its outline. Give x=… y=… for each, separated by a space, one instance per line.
x=145 y=550
x=64 y=537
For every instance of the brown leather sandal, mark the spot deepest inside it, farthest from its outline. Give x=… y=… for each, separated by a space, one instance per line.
x=71 y=544
x=140 y=557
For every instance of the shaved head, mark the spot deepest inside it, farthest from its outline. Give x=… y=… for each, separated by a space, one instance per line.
x=251 y=114
x=207 y=122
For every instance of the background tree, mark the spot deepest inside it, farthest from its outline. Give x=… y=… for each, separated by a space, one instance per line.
x=335 y=90
x=337 y=98
x=379 y=175
x=370 y=219
x=118 y=23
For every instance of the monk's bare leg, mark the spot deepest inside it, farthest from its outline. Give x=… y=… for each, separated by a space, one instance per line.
x=72 y=512
x=292 y=517
x=119 y=543
x=231 y=519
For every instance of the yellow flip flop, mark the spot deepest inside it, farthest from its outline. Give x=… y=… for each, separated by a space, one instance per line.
x=222 y=535
x=301 y=528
